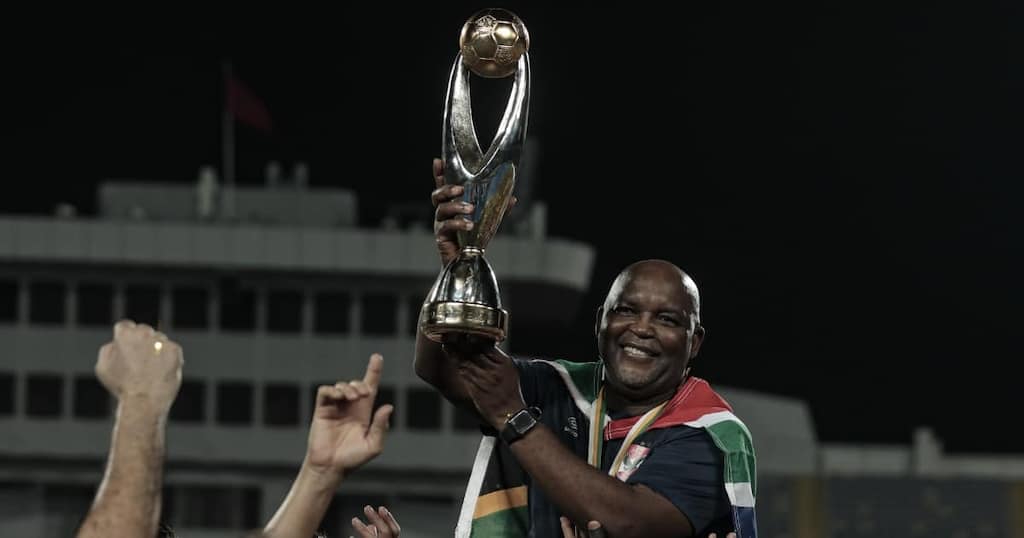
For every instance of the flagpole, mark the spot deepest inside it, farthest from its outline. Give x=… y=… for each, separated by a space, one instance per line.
x=228 y=145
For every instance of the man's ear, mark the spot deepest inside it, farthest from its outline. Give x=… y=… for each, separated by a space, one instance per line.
x=697 y=340
x=597 y=322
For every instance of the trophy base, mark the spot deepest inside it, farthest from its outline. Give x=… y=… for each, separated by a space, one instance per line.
x=447 y=321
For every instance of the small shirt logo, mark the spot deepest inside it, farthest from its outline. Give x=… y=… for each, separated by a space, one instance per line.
x=635 y=456
x=572 y=429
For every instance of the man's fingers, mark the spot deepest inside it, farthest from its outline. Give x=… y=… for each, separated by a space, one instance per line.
x=470 y=369
x=361 y=388
x=451 y=209
x=122 y=327
x=373 y=370
x=438 y=169
x=376 y=521
x=445 y=193
x=496 y=355
x=512 y=203
x=482 y=361
x=327 y=394
x=379 y=427
x=348 y=392
x=595 y=530
x=390 y=520
x=567 y=529
x=103 y=359
x=105 y=350
x=363 y=530
x=453 y=226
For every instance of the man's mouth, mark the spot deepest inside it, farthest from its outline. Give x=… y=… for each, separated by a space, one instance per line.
x=638 y=352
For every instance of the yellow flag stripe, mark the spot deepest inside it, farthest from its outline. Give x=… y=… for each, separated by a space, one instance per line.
x=503 y=499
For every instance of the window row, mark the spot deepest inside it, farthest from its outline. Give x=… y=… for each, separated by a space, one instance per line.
x=233 y=402
x=228 y=306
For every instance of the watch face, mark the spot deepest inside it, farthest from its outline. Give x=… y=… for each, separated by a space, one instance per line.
x=522 y=420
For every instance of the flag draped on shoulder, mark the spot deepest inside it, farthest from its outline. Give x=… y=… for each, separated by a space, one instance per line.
x=496 y=500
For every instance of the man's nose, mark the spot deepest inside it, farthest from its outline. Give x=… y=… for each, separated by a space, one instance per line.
x=642 y=326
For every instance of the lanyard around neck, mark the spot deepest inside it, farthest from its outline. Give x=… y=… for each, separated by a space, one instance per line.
x=598 y=419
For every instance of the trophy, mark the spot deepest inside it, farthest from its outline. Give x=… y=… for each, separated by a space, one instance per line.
x=464 y=301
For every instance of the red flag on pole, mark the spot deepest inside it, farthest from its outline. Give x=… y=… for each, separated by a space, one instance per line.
x=245 y=107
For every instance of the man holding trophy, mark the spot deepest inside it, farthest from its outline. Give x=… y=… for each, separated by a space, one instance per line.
x=630 y=439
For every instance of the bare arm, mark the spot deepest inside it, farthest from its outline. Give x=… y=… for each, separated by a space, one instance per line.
x=439 y=369
x=303 y=508
x=586 y=494
x=145 y=378
x=580 y=491
x=345 y=433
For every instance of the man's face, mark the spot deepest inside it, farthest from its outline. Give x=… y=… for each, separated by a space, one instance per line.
x=647 y=332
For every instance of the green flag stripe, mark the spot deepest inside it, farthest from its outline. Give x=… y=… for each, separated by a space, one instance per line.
x=513 y=523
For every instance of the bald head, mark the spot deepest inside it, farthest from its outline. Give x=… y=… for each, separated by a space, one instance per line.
x=661 y=270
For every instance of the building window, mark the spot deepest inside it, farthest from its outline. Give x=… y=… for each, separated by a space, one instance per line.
x=284 y=311
x=91 y=399
x=331 y=312
x=422 y=409
x=44 y=395
x=46 y=302
x=189 y=308
x=95 y=305
x=412 y=313
x=280 y=405
x=234 y=403
x=217 y=507
x=379 y=314
x=385 y=395
x=237 y=307
x=142 y=304
x=7 y=396
x=63 y=506
x=8 y=301
x=190 y=405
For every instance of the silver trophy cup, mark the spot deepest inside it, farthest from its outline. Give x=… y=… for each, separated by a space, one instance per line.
x=464 y=299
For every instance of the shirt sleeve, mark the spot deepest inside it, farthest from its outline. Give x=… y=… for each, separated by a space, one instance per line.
x=688 y=469
x=539 y=382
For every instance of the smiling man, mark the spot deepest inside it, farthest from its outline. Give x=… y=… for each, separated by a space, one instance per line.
x=630 y=440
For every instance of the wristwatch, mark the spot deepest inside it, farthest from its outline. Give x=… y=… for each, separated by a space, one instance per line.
x=519 y=423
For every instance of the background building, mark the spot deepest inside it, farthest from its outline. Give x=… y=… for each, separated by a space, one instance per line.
x=287 y=294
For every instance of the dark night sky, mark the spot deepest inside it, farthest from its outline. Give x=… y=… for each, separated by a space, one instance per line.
x=844 y=186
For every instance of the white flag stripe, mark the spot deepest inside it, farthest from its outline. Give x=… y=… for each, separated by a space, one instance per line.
x=581 y=402
x=740 y=494
x=476 y=481
x=711 y=419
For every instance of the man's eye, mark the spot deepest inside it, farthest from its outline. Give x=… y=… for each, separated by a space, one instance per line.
x=669 y=320
x=622 y=310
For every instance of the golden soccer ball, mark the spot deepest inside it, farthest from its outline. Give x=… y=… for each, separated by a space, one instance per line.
x=491 y=41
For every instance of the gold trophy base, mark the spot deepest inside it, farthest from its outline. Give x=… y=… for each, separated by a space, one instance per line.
x=449 y=321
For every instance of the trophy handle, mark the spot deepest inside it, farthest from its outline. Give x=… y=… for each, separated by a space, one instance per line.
x=488 y=178
x=495 y=191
